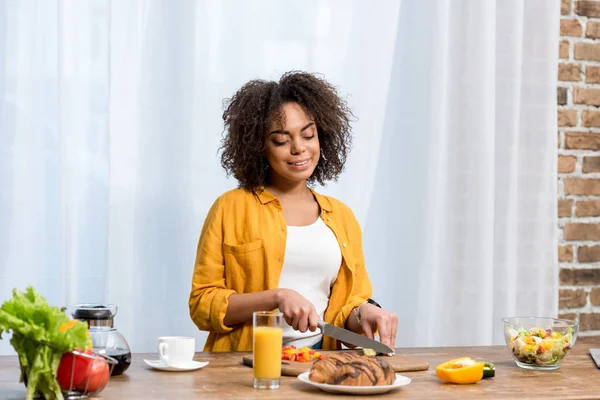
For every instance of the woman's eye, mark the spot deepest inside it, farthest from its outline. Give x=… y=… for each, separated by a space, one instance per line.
x=279 y=143
x=309 y=137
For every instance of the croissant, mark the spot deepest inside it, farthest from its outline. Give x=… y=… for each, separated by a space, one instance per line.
x=351 y=369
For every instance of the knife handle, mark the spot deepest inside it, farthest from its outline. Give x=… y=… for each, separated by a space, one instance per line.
x=322 y=325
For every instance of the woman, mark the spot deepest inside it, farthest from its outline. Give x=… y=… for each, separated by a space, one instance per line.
x=274 y=243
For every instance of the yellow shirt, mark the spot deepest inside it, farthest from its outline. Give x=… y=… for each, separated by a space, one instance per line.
x=241 y=250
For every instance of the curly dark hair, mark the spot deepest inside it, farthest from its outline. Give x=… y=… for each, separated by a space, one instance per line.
x=250 y=111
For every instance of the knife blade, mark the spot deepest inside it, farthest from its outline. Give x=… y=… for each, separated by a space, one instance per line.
x=347 y=336
x=595 y=353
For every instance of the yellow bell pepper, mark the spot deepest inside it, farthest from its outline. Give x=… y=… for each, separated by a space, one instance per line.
x=67 y=325
x=460 y=370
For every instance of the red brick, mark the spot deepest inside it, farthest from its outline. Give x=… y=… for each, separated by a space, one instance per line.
x=590 y=118
x=593 y=30
x=583 y=276
x=565 y=7
x=595 y=297
x=587 y=51
x=589 y=322
x=582 y=140
x=590 y=164
x=568 y=298
x=587 y=8
x=570 y=27
x=561 y=96
x=564 y=208
x=587 y=208
x=586 y=187
x=567 y=117
x=569 y=316
x=581 y=231
x=566 y=164
x=563 y=49
x=592 y=74
x=565 y=253
x=590 y=97
x=588 y=254
x=569 y=72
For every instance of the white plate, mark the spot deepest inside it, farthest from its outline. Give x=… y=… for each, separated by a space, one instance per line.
x=189 y=366
x=401 y=380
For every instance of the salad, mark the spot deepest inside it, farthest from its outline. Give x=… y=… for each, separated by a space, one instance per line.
x=305 y=354
x=41 y=335
x=540 y=346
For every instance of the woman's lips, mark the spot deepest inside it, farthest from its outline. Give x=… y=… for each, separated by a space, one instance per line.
x=299 y=165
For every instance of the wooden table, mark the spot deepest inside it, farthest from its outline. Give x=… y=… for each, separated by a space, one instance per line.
x=225 y=377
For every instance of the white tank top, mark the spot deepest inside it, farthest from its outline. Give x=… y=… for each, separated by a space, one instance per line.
x=310 y=267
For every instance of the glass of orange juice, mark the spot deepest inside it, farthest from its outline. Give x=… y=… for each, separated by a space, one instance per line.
x=266 y=346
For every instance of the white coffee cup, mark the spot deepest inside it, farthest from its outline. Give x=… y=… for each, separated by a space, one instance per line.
x=176 y=350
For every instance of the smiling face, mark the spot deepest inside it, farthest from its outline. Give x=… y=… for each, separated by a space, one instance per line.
x=292 y=150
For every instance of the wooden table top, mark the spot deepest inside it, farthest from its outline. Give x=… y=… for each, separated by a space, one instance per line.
x=225 y=377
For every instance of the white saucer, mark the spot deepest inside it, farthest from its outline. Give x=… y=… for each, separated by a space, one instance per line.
x=365 y=390
x=189 y=366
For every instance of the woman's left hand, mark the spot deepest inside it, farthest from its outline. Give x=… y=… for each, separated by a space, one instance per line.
x=377 y=319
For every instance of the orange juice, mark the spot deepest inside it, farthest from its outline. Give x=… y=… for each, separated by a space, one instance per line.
x=267 y=352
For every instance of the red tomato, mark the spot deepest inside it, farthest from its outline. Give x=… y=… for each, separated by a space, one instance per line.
x=98 y=376
x=72 y=366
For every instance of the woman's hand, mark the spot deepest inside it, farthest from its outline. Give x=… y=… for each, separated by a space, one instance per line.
x=376 y=319
x=298 y=312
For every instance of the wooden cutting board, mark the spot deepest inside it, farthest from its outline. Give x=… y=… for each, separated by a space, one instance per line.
x=400 y=363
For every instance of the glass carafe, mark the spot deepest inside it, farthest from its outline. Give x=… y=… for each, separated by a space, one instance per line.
x=105 y=337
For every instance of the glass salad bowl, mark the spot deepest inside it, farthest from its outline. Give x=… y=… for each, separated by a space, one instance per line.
x=539 y=343
x=81 y=374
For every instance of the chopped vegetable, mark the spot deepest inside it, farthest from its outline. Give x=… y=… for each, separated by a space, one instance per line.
x=305 y=354
x=539 y=346
x=369 y=352
x=40 y=335
x=460 y=370
x=489 y=370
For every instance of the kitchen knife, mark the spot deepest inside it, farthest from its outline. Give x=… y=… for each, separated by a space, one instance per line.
x=347 y=336
x=595 y=353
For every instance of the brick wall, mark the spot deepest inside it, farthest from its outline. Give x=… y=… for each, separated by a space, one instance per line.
x=578 y=98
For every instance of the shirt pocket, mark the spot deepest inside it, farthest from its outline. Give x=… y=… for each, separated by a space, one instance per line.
x=243 y=248
x=245 y=266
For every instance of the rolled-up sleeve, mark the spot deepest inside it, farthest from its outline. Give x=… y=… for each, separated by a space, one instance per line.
x=209 y=296
x=361 y=285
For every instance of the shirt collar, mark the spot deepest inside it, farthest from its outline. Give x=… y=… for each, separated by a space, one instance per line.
x=266 y=197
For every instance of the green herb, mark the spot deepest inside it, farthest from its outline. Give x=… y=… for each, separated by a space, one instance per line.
x=39 y=339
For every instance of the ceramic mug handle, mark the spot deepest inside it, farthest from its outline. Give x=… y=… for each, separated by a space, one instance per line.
x=163 y=352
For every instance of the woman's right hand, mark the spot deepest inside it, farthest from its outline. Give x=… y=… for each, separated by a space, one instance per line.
x=298 y=312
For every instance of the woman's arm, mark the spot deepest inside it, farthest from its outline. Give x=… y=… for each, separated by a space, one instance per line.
x=298 y=312
x=372 y=318
x=209 y=296
x=241 y=306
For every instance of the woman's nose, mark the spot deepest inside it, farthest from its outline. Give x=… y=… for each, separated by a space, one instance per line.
x=298 y=146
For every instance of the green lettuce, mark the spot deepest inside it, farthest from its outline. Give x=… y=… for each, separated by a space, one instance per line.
x=39 y=341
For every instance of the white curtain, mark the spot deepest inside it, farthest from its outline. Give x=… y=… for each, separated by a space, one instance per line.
x=110 y=120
